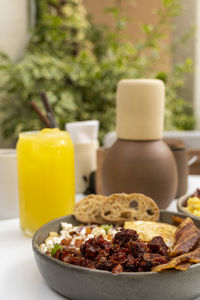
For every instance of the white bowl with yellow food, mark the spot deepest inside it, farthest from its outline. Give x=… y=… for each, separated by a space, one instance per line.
x=189 y=205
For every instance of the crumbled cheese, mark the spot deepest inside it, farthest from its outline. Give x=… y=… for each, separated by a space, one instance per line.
x=65 y=234
x=66 y=226
x=83 y=231
x=49 y=241
x=43 y=247
x=90 y=236
x=75 y=233
x=53 y=234
x=56 y=240
x=98 y=231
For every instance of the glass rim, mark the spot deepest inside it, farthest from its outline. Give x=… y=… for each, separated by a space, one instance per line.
x=34 y=133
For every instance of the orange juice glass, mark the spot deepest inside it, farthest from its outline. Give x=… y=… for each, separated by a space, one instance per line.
x=46 y=185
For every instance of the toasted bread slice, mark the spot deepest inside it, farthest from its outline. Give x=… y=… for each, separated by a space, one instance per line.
x=118 y=208
x=88 y=210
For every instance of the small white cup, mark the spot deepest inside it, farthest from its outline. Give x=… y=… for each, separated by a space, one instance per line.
x=83 y=132
x=84 y=135
x=85 y=163
x=8 y=184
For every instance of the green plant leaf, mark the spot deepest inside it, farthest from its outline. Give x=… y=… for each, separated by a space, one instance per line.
x=56 y=248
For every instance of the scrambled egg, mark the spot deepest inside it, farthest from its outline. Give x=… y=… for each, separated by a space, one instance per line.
x=193 y=206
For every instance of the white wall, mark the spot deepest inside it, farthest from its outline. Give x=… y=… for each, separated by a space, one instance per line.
x=14 y=25
x=182 y=25
x=14 y=28
x=190 y=16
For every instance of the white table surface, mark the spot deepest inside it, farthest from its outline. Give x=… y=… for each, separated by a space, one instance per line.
x=19 y=276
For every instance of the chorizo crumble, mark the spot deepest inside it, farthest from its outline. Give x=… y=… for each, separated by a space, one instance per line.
x=106 y=248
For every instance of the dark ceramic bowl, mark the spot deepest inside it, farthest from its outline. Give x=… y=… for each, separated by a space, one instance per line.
x=76 y=282
x=181 y=208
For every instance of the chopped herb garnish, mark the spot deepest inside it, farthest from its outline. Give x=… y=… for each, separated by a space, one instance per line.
x=56 y=248
x=106 y=227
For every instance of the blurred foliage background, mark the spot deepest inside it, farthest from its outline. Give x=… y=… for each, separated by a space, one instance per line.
x=78 y=65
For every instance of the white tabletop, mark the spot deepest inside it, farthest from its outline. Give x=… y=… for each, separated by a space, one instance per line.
x=19 y=276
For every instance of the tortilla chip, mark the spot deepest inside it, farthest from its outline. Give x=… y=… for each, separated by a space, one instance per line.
x=177 y=220
x=186 y=236
x=192 y=257
x=184 y=266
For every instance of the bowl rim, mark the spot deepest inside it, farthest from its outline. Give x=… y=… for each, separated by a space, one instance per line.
x=51 y=259
x=182 y=209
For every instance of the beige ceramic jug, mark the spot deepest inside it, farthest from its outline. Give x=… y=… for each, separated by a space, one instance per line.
x=139 y=161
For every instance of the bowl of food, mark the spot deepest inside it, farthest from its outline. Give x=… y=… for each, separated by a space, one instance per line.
x=189 y=204
x=140 y=259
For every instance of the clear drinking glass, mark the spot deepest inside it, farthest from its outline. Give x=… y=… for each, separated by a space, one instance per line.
x=46 y=185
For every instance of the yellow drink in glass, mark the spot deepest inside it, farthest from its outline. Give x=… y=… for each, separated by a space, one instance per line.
x=46 y=185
